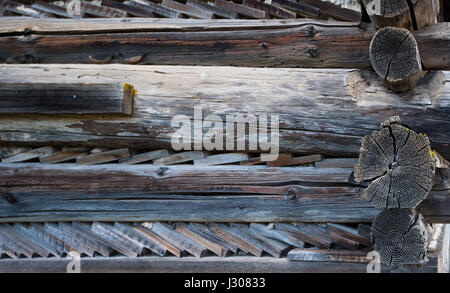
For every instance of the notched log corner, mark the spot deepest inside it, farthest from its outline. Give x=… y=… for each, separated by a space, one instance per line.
x=400 y=236
x=399 y=164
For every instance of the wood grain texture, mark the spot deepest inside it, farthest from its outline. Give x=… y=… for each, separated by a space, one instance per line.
x=66 y=98
x=394 y=55
x=400 y=236
x=32 y=192
x=393 y=13
x=289 y=43
x=321 y=111
x=155 y=264
x=399 y=165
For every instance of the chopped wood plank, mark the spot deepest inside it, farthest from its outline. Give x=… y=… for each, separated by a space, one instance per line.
x=339 y=256
x=301 y=8
x=118 y=242
x=22 y=9
x=179 y=158
x=38 y=238
x=66 y=98
x=336 y=11
x=52 y=9
x=222 y=159
x=278 y=235
x=145 y=157
x=131 y=10
x=64 y=156
x=155 y=8
x=294 y=161
x=105 y=157
x=100 y=244
x=349 y=233
x=177 y=239
x=22 y=243
x=272 y=246
x=274 y=11
x=38 y=232
x=309 y=233
x=257 y=160
x=204 y=232
x=101 y=11
x=30 y=155
x=211 y=9
x=340 y=241
x=133 y=234
x=9 y=151
x=190 y=233
x=336 y=163
x=224 y=232
x=68 y=242
x=240 y=9
x=84 y=242
x=157 y=239
x=186 y=9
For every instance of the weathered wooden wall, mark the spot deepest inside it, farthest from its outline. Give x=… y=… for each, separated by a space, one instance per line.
x=321 y=111
x=258 y=43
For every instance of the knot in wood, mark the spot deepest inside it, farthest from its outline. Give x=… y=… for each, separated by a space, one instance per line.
x=263 y=45
x=399 y=165
x=291 y=194
x=313 y=52
x=312 y=31
x=162 y=171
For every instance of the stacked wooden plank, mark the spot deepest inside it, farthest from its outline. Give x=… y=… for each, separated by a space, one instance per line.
x=250 y=9
x=101 y=246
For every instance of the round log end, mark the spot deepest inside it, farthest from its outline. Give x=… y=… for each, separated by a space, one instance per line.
x=395 y=57
x=399 y=165
x=385 y=13
x=400 y=236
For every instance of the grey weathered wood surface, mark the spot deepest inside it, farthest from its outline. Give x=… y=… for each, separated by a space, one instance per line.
x=32 y=192
x=215 y=264
x=66 y=98
x=394 y=55
x=399 y=165
x=321 y=111
x=400 y=236
x=259 y=43
x=394 y=13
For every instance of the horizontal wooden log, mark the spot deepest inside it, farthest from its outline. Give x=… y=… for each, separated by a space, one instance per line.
x=288 y=43
x=32 y=192
x=321 y=111
x=66 y=98
x=214 y=264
